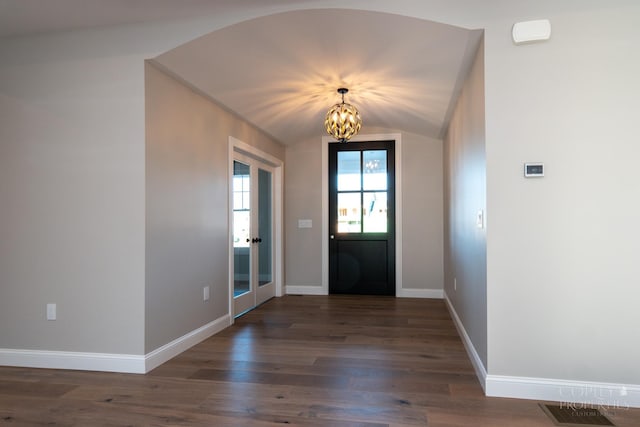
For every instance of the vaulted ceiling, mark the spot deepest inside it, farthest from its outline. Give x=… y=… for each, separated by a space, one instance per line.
x=280 y=72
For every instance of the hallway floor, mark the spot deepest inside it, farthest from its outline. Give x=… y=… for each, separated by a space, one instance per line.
x=298 y=360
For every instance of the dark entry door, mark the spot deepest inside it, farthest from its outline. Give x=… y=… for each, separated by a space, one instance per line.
x=362 y=218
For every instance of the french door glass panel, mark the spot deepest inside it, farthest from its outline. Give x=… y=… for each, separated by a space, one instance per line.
x=265 y=220
x=241 y=228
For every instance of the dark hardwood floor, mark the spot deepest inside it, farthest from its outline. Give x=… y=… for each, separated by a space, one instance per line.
x=297 y=360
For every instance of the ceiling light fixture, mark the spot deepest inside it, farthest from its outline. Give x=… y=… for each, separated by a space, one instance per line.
x=343 y=120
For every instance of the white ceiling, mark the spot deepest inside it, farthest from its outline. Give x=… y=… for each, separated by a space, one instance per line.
x=281 y=72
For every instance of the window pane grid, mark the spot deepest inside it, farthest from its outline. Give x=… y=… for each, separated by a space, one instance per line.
x=361 y=191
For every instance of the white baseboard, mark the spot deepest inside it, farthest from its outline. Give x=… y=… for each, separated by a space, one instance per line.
x=306 y=290
x=478 y=366
x=124 y=363
x=400 y=293
x=420 y=293
x=168 y=351
x=578 y=394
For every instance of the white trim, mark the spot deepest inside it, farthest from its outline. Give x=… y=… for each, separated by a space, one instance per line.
x=306 y=290
x=242 y=147
x=398 y=210
x=607 y=396
x=420 y=293
x=105 y=362
x=326 y=140
x=478 y=366
x=126 y=363
x=575 y=393
x=325 y=214
x=231 y=249
x=168 y=351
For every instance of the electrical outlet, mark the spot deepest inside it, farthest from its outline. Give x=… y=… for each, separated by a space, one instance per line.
x=205 y=293
x=51 y=312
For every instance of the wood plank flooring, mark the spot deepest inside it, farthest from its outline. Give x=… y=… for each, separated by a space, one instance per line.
x=312 y=361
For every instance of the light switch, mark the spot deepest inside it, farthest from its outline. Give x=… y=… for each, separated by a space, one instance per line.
x=51 y=312
x=305 y=223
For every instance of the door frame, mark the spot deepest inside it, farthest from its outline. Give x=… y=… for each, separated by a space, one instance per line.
x=240 y=147
x=326 y=140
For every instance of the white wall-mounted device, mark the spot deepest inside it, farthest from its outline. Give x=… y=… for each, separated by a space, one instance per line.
x=51 y=312
x=533 y=170
x=305 y=223
x=531 y=31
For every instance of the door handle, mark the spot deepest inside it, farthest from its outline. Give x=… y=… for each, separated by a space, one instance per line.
x=256 y=240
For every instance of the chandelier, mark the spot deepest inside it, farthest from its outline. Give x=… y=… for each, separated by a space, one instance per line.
x=343 y=120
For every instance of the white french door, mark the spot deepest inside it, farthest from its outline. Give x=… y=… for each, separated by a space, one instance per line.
x=253 y=233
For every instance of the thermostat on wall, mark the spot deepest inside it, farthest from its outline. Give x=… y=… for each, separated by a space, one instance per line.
x=533 y=170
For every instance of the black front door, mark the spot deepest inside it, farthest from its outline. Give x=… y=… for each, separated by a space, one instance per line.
x=362 y=218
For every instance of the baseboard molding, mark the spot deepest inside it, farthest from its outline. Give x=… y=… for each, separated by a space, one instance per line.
x=123 y=363
x=420 y=293
x=579 y=394
x=168 y=351
x=306 y=290
x=478 y=366
x=400 y=293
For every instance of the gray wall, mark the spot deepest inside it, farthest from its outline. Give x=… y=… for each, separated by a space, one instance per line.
x=303 y=200
x=72 y=193
x=187 y=209
x=422 y=260
x=465 y=194
x=422 y=218
x=562 y=251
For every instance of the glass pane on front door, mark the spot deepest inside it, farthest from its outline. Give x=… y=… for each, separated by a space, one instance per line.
x=374 y=212
x=349 y=178
x=265 y=221
x=349 y=213
x=374 y=171
x=241 y=228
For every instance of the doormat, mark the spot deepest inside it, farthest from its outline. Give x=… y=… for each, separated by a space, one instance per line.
x=568 y=416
